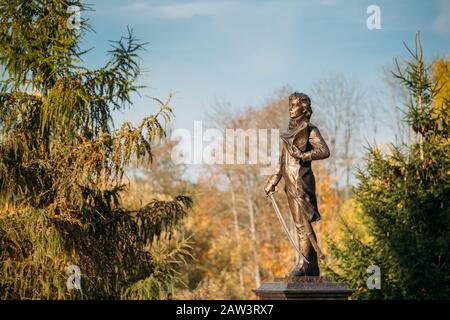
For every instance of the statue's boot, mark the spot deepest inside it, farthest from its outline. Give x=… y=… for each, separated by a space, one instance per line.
x=299 y=270
x=301 y=267
x=305 y=268
x=312 y=268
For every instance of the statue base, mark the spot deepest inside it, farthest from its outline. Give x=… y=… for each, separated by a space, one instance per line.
x=303 y=288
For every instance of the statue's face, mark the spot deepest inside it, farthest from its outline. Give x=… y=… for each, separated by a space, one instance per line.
x=295 y=108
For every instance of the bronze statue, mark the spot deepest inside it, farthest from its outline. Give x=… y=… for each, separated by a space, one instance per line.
x=302 y=143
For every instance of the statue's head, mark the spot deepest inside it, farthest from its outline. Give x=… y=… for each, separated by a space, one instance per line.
x=299 y=104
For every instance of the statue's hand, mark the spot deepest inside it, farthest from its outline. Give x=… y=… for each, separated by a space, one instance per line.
x=269 y=189
x=295 y=152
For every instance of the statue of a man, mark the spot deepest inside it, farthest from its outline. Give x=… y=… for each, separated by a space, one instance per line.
x=302 y=143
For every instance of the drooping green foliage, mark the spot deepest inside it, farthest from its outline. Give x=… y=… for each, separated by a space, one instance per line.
x=62 y=163
x=404 y=196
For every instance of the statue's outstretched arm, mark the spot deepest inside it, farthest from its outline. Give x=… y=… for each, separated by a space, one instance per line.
x=276 y=177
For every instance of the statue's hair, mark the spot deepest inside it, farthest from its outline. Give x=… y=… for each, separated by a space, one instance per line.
x=305 y=101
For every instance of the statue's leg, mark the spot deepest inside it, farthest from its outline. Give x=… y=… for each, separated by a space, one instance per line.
x=311 y=268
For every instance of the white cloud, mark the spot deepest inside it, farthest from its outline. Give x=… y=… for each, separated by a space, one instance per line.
x=178 y=10
x=442 y=22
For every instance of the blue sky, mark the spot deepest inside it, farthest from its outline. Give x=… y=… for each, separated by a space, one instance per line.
x=242 y=51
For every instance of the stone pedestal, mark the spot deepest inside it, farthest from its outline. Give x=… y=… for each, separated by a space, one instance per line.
x=303 y=288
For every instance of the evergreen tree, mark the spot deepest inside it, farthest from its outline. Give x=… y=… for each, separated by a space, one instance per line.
x=62 y=163
x=404 y=199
